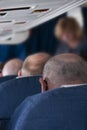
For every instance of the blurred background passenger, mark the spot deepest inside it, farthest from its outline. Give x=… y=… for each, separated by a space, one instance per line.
x=12 y=67
x=71 y=35
x=65 y=70
x=33 y=64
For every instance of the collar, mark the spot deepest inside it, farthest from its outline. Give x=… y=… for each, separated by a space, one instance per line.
x=74 y=85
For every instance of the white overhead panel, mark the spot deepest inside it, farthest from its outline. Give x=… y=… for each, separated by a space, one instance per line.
x=21 y=15
x=8 y=37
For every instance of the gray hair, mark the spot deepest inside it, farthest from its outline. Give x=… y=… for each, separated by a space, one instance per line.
x=65 y=68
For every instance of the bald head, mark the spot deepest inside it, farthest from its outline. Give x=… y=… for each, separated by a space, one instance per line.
x=34 y=64
x=12 y=67
x=65 y=69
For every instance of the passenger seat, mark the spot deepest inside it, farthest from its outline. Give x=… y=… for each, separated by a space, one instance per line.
x=13 y=92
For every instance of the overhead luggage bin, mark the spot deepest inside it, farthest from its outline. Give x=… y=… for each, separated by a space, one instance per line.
x=10 y=38
x=21 y=15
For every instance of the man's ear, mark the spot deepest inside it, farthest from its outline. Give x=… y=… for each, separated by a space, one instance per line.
x=43 y=84
x=19 y=73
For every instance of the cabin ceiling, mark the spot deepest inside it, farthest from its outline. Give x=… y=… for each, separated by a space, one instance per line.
x=21 y=15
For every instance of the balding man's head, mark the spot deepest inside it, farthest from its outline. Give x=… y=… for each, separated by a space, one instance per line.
x=33 y=65
x=65 y=69
x=12 y=67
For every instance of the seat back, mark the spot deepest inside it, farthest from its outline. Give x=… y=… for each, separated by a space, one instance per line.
x=6 y=78
x=59 y=109
x=13 y=92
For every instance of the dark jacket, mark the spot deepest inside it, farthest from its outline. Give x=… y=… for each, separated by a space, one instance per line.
x=80 y=50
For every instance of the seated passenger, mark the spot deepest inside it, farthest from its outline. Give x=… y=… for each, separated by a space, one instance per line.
x=71 y=34
x=60 y=108
x=12 y=67
x=65 y=70
x=33 y=65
